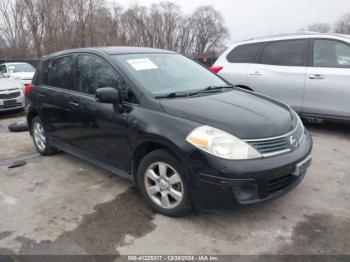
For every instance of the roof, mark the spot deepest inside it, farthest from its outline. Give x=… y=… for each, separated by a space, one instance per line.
x=296 y=34
x=15 y=63
x=111 y=50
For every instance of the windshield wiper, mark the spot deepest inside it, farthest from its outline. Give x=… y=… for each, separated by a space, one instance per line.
x=174 y=95
x=208 y=89
x=214 y=88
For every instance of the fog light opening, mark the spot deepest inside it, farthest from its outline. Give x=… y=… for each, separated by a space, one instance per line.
x=246 y=192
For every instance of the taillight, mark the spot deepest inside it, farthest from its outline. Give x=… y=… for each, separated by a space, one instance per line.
x=216 y=69
x=27 y=89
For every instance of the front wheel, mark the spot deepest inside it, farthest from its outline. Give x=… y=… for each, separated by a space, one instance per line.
x=40 y=138
x=163 y=184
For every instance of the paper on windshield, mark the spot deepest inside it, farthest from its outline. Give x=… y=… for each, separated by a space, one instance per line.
x=142 y=64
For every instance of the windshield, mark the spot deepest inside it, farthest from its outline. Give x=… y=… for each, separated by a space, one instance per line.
x=21 y=68
x=163 y=74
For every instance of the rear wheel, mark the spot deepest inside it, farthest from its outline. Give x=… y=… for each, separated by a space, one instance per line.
x=40 y=138
x=163 y=184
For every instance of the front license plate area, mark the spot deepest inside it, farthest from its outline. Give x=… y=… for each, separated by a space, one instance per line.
x=301 y=167
x=10 y=103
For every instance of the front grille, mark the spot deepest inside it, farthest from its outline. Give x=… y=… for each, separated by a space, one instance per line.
x=9 y=95
x=271 y=146
x=278 y=145
x=276 y=184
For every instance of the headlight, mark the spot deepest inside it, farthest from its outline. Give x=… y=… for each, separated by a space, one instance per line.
x=221 y=144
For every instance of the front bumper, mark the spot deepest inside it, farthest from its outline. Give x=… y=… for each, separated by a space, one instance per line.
x=18 y=103
x=224 y=184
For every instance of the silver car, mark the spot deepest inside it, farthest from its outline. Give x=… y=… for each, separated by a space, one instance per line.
x=308 y=71
x=11 y=94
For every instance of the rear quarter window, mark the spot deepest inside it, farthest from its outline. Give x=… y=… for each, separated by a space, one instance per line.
x=37 y=80
x=244 y=53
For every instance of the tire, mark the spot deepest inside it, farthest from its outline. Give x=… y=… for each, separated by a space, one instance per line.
x=18 y=127
x=171 y=183
x=40 y=138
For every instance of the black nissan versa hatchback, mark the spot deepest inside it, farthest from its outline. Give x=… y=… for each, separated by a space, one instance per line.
x=184 y=136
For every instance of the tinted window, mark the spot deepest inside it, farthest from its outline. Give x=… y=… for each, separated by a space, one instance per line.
x=93 y=73
x=3 y=69
x=127 y=94
x=44 y=77
x=61 y=72
x=244 y=53
x=37 y=76
x=284 y=53
x=330 y=53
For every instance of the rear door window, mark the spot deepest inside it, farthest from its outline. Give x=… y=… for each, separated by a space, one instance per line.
x=61 y=72
x=285 y=53
x=244 y=53
x=331 y=53
x=45 y=73
x=94 y=73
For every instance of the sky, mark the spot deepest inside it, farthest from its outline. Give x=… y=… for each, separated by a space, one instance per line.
x=248 y=18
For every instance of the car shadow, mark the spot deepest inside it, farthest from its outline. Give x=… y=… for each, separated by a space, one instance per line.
x=11 y=114
x=329 y=128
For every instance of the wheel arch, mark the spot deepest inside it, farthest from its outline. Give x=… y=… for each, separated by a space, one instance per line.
x=147 y=146
x=30 y=117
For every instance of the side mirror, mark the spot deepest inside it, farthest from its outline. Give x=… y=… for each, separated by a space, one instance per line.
x=108 y=95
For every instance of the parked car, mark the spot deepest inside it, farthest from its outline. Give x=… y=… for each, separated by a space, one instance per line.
x=308 y=71
x=23 y=72
x=11 y=94
x=184 y=136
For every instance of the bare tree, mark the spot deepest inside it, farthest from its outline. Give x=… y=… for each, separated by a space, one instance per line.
x=82 y=12
x=165 y=18
x=342 y=26
x=185 y=37
x=35 y=13
x=14 y=37
x=208 y=27
x=319 y=27
x=32 y=28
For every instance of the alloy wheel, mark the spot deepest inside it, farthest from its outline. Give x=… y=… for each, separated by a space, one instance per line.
x=39 y=136
x=163 y=185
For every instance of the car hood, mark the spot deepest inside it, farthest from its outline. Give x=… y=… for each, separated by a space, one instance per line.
x=243 y=114
x=8 y=83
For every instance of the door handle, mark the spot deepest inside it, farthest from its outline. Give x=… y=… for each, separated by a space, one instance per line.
x=317 y=76
x=256 y=73
x=41 y=96
x=73 y=104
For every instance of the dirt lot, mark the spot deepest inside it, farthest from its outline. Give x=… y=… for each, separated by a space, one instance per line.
x=61 y=205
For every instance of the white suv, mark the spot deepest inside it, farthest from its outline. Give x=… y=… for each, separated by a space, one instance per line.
x=308 y=71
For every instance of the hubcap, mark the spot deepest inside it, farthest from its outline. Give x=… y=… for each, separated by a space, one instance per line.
x=39 y=136
x=164 y=185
